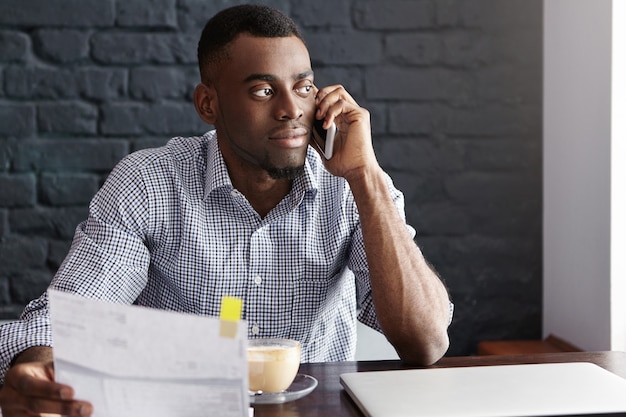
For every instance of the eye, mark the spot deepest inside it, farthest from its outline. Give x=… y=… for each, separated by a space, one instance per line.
x=305 y=90
x=263 y=92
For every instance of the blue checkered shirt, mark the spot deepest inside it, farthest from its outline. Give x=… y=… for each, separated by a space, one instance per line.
x=168 y=230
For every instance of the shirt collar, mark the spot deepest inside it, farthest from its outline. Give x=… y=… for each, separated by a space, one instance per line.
x=216 y=171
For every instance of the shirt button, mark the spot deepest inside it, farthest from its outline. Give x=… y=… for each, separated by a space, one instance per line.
x=255 y=329
x=234 y=193
x=258 y=280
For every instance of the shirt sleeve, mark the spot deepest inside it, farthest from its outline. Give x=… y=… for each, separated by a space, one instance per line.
x=33 y=329
x=108 y=260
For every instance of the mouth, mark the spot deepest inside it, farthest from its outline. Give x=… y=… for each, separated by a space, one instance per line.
x=290 y=137
x=289 y=133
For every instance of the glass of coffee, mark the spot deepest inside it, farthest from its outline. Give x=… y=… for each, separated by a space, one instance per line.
x=272 y=364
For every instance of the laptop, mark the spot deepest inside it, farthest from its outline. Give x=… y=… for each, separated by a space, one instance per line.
x=553 y=389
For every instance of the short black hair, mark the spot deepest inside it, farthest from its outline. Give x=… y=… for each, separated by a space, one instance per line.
x=226 y=25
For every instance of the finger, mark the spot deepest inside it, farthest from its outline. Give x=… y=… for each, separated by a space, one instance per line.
x=63 y=408
x=24 y=381
x=344 y=113
x=15 y=404
x=324 y=92
x=333 y=93
x=332 y=102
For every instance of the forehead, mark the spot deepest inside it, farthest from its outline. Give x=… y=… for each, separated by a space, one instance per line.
x=282 y=57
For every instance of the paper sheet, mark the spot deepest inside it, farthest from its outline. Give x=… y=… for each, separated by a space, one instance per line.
x=134 y=361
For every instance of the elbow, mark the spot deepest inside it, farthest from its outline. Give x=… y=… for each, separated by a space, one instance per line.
x=426 y=352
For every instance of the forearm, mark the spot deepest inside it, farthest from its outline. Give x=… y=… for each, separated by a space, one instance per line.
x=411 y=302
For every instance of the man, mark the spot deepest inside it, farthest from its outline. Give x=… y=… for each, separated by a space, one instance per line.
x=248 y=210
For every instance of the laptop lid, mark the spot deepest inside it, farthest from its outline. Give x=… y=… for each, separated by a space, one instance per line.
x=559 y=389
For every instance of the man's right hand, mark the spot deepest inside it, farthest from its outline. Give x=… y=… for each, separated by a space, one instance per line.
x=29 y=389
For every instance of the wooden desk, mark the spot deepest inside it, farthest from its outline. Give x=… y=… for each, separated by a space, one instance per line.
x=329 y=399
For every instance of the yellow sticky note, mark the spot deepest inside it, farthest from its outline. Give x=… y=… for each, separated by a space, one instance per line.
x=230 y=314
x=231 y=308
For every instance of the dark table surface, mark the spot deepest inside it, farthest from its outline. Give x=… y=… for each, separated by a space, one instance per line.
x=329 y=398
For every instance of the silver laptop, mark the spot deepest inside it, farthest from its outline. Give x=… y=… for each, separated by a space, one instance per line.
x=560 y=389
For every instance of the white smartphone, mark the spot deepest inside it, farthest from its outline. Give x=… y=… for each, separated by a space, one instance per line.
x=324 y=139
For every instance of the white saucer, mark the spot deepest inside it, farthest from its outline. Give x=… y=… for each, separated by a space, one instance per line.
x=301 y=386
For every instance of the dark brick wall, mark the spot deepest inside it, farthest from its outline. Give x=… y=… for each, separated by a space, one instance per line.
x=453 y=86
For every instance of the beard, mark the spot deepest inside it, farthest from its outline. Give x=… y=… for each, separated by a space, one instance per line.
x=286 y=173
x=289 y=171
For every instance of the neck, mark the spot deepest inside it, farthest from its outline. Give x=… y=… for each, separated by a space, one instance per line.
x=261 y=190
x=263 y=194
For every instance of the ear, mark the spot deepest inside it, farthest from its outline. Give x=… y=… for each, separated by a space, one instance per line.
x=205 y=100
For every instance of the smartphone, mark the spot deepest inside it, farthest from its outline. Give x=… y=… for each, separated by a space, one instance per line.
x=324 y=139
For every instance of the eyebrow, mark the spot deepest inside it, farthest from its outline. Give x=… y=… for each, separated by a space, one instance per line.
x=270 y=77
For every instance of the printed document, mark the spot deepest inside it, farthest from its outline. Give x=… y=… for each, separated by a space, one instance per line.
x=135 y=361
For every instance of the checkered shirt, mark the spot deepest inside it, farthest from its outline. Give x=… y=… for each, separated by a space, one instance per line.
x=168 y=230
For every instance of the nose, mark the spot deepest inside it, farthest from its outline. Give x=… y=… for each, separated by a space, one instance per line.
x=289 y=107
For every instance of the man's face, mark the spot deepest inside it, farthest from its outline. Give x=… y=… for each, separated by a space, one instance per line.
x=265 y=104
